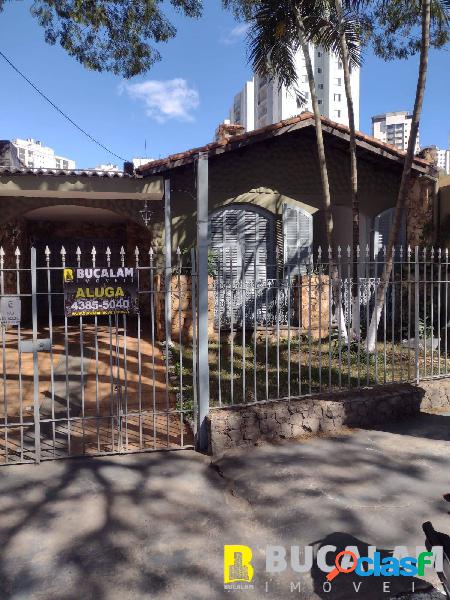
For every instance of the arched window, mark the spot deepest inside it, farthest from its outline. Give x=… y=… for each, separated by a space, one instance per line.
x=382 y=228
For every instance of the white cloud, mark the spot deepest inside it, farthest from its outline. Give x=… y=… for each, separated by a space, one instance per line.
x=236 y=34
x=164 y=100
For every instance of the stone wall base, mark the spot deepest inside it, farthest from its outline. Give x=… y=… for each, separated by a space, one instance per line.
x=239 y=426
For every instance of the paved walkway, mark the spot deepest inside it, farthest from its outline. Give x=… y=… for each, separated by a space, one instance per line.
x=97 y=370
x=153 y=526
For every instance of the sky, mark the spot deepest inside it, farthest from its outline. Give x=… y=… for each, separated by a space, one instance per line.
x=178 y=104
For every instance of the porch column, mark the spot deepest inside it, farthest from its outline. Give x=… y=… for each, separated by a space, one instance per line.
x=168 y=264
x=202 y=258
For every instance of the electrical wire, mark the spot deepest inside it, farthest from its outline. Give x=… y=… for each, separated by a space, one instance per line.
x=66 y=116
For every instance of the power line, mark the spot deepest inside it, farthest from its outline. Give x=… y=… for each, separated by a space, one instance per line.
x=66 y=116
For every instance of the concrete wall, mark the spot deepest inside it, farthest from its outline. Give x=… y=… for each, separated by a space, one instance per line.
x=245 y=425
x=20 y=194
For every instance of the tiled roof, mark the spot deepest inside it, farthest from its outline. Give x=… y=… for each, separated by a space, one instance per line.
x=305 y=119
x=65 y=172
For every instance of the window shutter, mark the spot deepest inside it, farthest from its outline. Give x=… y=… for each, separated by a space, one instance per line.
x=298 y=237
x=242 y=233
x=224 y=242
x=382 y=228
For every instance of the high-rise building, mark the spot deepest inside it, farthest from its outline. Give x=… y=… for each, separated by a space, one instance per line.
x=32 y=154
x=243 y=109
x=273 y=103
x=443 y=160
x=394 y=128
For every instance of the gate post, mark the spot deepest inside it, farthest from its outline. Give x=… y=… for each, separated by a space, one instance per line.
x=36 y=412
x=202 y=270
x=168 y=264
x=416 y=310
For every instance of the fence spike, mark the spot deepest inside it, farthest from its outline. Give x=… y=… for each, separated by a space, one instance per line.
x=78 y=251
x=409 y=251
x=136 y=251
x=439 y=253
x=63 y=251
x=93 y=251
x=367 y=250
x=383 y=250
x=319 y=252
x=108 y=251
x=178 y=250
x=122 y=251
x=151 y=252
x=17 y=252
x=401 y=251
x=47 y=251
x=358 y=251
x=339 y=251
x=424 y=252
x=330 y=252
x=2 y=252
x=446 y=255
x=349 y=251
x=432 y=252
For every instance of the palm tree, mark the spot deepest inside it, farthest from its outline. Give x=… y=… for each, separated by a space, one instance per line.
x=434 y=16
x=276 y=35
x=335 y=25
x=278 y=32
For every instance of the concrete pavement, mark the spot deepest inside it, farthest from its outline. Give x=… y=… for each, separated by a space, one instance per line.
x=153 y=525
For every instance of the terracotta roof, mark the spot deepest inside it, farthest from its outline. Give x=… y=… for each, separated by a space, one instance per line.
x=65 y=172
x=305 y=119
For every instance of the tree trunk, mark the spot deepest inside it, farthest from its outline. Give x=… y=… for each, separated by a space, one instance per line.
x=404 y=184
x=326 y=197
x=353 y=168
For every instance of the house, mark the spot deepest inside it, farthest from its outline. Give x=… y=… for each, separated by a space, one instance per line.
x=265 y=201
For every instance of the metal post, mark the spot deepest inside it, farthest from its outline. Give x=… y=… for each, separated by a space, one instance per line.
x=416 y=310
x=37 y=423
x=168 y=262
x=202 y=257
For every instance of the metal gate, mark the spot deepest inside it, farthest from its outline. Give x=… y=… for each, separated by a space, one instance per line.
x=88 y=385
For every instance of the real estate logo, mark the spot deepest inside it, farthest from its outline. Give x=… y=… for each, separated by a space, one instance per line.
x=237 y=567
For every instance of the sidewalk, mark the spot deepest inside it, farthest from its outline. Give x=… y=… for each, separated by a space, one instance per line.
x=153 y=525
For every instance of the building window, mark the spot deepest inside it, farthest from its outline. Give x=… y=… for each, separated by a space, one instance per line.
x=337 y=81
x=319 y=101
x=320 y=86
x=337 y=97
x=58 y=163
x=319 y=70
x=319 y=54
x=340 y=65
x=337 y=114
x=65 y=164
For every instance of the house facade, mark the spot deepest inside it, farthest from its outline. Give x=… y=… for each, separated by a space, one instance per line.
x=265 y=200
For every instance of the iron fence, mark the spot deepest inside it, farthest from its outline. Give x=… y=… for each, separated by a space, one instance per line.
x=305 y=332
x=76 y=385
x=94 y=384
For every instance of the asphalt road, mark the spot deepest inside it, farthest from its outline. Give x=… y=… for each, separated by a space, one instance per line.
x=153 y=526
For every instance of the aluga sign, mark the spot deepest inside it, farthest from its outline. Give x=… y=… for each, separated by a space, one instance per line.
x=100 y=291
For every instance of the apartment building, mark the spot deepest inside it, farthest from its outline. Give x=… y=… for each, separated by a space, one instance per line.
x=394 y=128
x=272 y=103
x=32 y=154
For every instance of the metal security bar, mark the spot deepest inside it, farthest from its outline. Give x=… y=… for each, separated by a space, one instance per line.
x=98 y=384
x=305 y=331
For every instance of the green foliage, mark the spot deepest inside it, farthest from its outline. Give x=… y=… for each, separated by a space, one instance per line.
x=277 y=27
x=395 y=27
x=110 y=35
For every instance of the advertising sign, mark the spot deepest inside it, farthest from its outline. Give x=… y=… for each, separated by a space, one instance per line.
x=10 y=309
x=100 y=291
